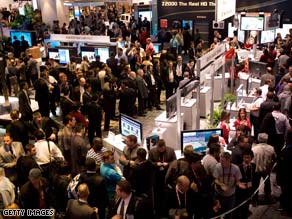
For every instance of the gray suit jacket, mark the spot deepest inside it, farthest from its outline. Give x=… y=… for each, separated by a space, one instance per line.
x=79 y=210
x=168 y=155
x=8 y=160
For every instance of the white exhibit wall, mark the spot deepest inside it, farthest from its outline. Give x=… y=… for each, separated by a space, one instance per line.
x=53 y=10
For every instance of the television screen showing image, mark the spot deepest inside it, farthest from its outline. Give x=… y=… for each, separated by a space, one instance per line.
x=198 y=138
x=156 y=48
x=53 y=53
x=29 y=36
x=268 y=36
x=257 y=69
x=130 y=126
x=53 y=44
x=252 y=23
x=90 y=55
x=176 y=24
x=64 y=56
x=187 y=24
x=147 y=14
x=241 y=36
x=103 y=53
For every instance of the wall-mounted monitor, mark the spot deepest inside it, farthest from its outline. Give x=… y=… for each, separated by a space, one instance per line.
x=64 y=56
x=29 y=36
x=156 y=48
x=130 y=126
x=53 y=44
x=241 y=36
x=198 y=138
x=187 y=25
x=171 y=106
x=53 y=53
x=147 y=14
x=89 y=52
x=103 y=53
x=257 y=69
x=268 y=36
x=252 y=23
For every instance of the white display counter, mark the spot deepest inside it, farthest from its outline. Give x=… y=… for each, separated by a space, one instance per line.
x=217 y=85
x=188 y=108
x=171 y=137
x=253 y=82
x=205 y=98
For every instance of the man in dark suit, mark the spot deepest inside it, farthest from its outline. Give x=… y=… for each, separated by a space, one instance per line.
x=128 y=205
x=142 y=92
x=24 y=44
x=180 y=68
x=42 y=94
x=87 y=97
x=16 y=47
x=79 y=209
x=112 y=62
x=127 y=99
x=94 y=117
x=24 y=102
x=266 y=107
x=17 y=128
x=169 y=78
x=96 y=184
x=161 y=156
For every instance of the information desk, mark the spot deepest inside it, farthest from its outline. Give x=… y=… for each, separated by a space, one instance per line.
x=171 y=138
x=252 y=82
x=218 y=80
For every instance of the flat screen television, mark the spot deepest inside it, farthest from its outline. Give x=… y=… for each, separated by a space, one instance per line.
x=252 y=23
x=53 y=44
x=171 y=106
x=198 y=138
x=147 y=14
x=64 y=56
x=53 y=53
x=268 y=36
x=156 y=48
x=89 y=52
x=29 y=36
x=257 y=69
x=103 y=53
x=130 y=126
x=187 y=25
x=241 y=36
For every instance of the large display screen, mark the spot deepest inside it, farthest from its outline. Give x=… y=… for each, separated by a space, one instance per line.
x=268 y=36
x=130 y=126
x=252 y=23
x=241 y=36
x=64 y=56
x=257 y=69
x=53 y=53
x=147 y=14
x=198 y=138
x=53 y=44
x=231 y=30
x=103 y=53
x=29 y=36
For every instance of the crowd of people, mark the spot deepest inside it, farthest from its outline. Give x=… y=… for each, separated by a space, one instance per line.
x=47 y=162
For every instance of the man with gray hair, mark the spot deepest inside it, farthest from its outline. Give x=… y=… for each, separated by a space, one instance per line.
x=264 y=158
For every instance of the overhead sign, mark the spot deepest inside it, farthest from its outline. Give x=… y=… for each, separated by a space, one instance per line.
x=81 y=38
x=225 y=9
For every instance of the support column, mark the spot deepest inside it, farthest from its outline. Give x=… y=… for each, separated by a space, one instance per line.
x=53 y=10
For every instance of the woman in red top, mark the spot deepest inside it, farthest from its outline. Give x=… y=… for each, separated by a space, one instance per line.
x=224 y=124
x=242 y=120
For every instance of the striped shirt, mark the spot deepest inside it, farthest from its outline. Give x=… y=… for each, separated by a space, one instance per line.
x=97 y=156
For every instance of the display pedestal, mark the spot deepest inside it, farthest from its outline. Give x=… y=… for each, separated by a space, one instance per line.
x=253 y=82
x=205 y=98
x=171 y=129
x=218 y=80
x=188 y=108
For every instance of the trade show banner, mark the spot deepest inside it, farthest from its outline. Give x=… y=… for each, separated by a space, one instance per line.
x=225 y=9
x=199 y=9
x=80 y=38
